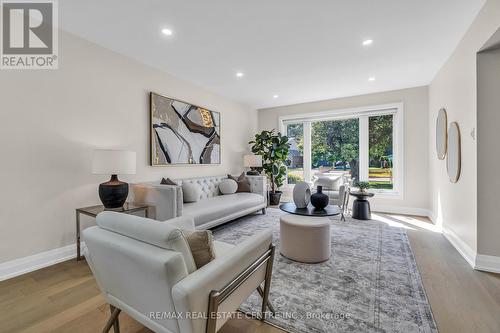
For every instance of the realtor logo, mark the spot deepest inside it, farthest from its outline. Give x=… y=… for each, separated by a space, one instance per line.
x=29 y=34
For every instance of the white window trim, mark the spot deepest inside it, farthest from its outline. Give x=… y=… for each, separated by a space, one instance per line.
x=397 y=109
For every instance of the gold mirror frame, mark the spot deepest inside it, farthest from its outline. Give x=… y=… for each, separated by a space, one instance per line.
x=441 y=134
x=454 y=155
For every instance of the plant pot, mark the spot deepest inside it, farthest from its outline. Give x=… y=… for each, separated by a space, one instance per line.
x=319 y=200
x=274 y=198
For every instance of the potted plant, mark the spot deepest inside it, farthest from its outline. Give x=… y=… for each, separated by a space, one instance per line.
x=363 y=186
x=273 y=147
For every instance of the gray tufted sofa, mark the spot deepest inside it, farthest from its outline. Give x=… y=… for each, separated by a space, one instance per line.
x=211 y=209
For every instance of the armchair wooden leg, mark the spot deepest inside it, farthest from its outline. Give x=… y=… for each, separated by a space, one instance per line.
x=113 y=320
x=263 y=211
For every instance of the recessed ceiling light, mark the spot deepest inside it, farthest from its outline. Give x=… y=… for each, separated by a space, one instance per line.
x=367 y=42
x=371 y=78
x=276 y=96
x=166 y=32
x=239 y=74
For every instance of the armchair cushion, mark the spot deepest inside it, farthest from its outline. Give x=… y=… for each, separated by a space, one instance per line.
x=149 y=231
x=201 y=245
x=329 y=182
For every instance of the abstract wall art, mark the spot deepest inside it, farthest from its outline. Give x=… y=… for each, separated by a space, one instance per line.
x=182 y=133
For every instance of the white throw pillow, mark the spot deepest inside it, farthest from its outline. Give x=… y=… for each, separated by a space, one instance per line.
x=228 y=186
x=190 y=192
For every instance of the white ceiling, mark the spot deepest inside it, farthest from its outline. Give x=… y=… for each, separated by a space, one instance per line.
x=300 y=50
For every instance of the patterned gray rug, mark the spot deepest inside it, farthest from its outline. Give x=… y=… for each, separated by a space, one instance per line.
x=370 y=283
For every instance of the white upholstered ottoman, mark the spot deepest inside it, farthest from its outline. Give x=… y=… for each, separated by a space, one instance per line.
x=305 y=239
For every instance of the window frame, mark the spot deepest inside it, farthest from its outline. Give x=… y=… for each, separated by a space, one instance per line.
x=363 y=114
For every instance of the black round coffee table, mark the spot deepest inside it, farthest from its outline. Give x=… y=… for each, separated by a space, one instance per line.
x=361 y=206
x=329 y=210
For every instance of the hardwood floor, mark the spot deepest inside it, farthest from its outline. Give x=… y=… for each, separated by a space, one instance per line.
x=65 y=297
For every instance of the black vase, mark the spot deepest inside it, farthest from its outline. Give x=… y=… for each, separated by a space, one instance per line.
x=319 y=200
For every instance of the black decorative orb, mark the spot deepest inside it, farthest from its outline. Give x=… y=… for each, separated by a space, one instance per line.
x=113 y=193
x=319 y=200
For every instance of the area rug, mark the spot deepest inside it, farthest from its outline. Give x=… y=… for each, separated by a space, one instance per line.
x=370 y=283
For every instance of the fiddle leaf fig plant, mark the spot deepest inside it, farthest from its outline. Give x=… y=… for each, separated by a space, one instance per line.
x=273 y=147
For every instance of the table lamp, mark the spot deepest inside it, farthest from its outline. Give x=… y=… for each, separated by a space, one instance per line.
x=113 y=193
x=254 y=162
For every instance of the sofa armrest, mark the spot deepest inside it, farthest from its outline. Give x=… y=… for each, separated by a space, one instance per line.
x=166 y=200
x=258 y=184
x=192 y=294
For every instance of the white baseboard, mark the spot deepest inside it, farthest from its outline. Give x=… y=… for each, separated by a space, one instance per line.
x=465 y=250
x=480 y=262
x=401 y=210
x=487 y=263
x=31 y=263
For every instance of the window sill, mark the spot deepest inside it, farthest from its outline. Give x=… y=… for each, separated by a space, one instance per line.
x=385 y=194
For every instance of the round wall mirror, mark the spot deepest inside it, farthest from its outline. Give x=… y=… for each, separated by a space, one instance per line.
x=454 y=156
x=441 y=134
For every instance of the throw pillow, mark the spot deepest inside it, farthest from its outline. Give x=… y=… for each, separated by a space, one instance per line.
x=201 y=245
x=242 y=181
x=168 y=181
x=228 y=186
x=190 y=192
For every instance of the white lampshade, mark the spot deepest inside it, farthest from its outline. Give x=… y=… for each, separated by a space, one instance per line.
x=250 y=161
x=113 y=162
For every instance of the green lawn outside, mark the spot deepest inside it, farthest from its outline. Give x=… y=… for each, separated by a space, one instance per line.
x=380 y=178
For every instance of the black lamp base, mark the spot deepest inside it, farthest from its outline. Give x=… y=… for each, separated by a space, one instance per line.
x=113 y=193
x=254 y=171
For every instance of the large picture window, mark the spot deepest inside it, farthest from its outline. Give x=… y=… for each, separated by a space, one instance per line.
x=295 y=133
x=365 y=144
x=335 y=146
x=380 y=152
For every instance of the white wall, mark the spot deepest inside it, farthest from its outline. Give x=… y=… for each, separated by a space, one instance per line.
x=415 y=100
x=454 y=87
x=50 y=121
x=488 y=118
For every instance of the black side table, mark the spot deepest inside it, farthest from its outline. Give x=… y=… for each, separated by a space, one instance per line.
x=128 y=208
x=361 y=206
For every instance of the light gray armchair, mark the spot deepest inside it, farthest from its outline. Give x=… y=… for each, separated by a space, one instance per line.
x=145 y=268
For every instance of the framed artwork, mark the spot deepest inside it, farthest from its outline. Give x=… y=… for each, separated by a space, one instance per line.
x=183 y=133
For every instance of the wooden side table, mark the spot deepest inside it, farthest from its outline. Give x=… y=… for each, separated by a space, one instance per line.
x=128 y=208
x=361 y=206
